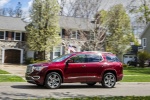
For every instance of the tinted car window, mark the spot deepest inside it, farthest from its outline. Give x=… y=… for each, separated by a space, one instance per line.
x=61 y=58
x=78 y=59
x=93 y=58
x=112 y=58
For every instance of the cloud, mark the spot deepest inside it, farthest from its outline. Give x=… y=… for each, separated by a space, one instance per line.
x=3 y=2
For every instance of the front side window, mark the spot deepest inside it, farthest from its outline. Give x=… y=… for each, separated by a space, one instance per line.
x=78 y=58
x=2 y=35
x=93 y=58
x=18 y=36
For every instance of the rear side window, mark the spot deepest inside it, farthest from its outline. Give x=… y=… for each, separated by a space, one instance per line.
x=93 y=58
x=112 y=58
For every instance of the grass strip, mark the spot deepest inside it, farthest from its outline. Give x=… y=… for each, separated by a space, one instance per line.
x=3 y=72
x=100 y=98
x=10 y=78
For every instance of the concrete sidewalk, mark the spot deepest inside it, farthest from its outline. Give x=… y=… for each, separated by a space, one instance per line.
x=15 y=69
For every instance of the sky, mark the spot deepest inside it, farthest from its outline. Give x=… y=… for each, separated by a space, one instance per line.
x=26 y=4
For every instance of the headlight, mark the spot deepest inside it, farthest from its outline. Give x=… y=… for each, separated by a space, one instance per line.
x=39 y=68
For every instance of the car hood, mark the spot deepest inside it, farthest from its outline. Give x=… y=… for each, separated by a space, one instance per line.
x=44 y=64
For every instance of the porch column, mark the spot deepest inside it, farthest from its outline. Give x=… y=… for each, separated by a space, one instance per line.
x=3 y=55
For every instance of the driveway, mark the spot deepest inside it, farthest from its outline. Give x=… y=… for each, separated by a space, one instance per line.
x=15 y=69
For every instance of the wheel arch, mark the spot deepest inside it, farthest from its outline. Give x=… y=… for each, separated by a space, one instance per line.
x=110 y=71
x=57 y=71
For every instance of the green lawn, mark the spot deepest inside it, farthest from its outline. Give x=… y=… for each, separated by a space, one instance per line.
x=103 y=98
x=3 y=72
x=7 y=77
x=10 y=78
x=136 y=74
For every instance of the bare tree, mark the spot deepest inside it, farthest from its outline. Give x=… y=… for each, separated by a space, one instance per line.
x=141 y=10
x=10 y=12
x=79 y=8
x=3 y=11
x=93 y=37
x=18 y=10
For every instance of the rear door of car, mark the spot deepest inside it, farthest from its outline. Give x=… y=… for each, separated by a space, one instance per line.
x=94 y=67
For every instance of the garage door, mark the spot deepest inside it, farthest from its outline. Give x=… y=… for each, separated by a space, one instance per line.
x=12 y=56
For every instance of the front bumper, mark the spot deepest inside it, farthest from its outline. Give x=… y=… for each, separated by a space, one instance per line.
x=34 y=78
x=120 y=77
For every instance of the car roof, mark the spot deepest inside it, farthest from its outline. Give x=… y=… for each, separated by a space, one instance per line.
x=85 y=52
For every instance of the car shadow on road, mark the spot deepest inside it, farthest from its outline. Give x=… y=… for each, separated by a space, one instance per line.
x=61 y=87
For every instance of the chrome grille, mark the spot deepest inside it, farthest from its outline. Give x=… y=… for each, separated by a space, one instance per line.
x=29 y=69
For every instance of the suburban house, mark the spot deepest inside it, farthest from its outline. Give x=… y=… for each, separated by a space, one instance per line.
x=12 y=40
x=13 y=47
x=145 y=38
x=72 y=30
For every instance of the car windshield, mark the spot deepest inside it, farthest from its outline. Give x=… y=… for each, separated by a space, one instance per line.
x=61 y=58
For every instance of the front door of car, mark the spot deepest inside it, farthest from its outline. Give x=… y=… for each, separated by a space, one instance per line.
x=75 y=70
x=94 y=67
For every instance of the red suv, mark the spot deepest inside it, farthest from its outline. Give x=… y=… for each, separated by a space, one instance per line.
x=85 y=67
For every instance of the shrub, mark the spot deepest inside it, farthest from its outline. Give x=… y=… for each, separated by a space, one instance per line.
x=125 y=65
x=143 y=56
x=31 y=61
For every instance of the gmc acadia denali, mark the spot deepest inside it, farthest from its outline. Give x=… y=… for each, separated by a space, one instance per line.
x=84 y=67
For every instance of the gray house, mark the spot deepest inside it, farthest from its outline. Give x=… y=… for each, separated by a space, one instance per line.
x=13 y=47
x=12 y=37
x=70 y=35
x=145 y=38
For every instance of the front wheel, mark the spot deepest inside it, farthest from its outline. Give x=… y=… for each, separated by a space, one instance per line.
x=53 y=80
x=109 y=80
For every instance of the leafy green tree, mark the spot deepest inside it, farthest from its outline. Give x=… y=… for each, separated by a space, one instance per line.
x=142 y=10
x=43 y=31
x=117 y=22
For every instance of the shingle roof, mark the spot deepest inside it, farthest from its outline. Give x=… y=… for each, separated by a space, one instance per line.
x=147 y=27
x=75 y=23
x=16 y=24
x=12 y=23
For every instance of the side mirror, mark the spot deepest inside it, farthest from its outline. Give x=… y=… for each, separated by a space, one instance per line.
x=70 y=61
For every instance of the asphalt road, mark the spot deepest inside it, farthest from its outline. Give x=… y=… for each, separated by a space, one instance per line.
x=23 y=90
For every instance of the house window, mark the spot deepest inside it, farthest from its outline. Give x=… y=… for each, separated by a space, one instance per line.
x=57 y=52
x=75 y=35
x=144 y=42
x=18 y=36
x=2 y=35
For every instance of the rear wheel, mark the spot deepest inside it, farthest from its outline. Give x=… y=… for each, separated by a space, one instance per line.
x=91 y=83
x=53 y=80
x=109 y=80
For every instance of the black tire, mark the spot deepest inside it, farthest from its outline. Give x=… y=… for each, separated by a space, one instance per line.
x=91 y=83
x=109 y=80
x=53 y=80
